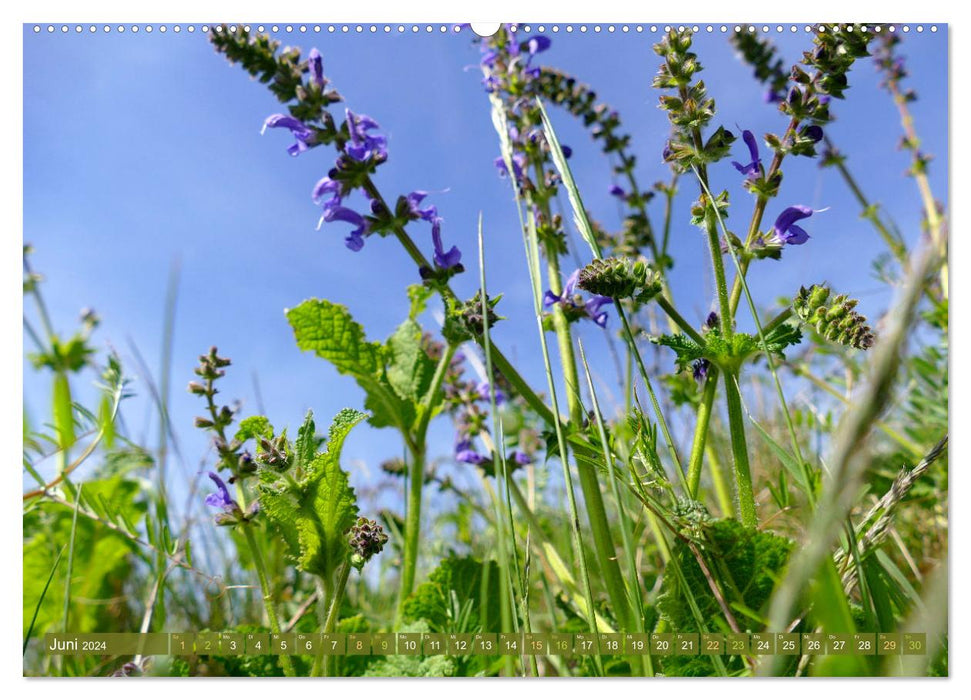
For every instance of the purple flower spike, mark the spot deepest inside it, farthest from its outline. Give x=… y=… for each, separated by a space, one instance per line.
x=785 y=230
x=316 y=63
x=537 y=44
x=751 y=170
x=301 y=132
x=220 y=499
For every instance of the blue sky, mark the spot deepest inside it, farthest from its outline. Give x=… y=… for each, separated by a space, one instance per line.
x=140 y=150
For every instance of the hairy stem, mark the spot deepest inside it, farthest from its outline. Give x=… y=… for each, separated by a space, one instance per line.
x=266 y=589
x=744 y=493
x=702 y=419
x=409 y=564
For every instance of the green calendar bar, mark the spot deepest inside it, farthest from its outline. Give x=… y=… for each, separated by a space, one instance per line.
x=211 y=643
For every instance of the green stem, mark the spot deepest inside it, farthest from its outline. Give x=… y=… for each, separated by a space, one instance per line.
x=726 y=311
x=267 y=591
x=416 y=474
x=416 y=481
x=702 y=420
x=334 y=610
x=679 y=319
x=586 y=462
x=744 y=494
x=781 y=318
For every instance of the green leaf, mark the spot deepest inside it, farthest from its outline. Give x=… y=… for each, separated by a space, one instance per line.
x=410 y=369
x=305 y=449
x=314 y=511
x=745 y=561
x=686 y=350
x=580 y=217
x=328 y=330
x=418 y=294
x=102 y=558
x=451 y=599
x=254 y=427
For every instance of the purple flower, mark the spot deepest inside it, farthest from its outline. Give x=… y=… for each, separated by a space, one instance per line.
x=324 y=187
x=445 y=260
x=518 y=162
x=567 y=151
x=355 y=241
x=363 y=145
x=593 y=306
x=537 y=44
x=489 y=56
x=483 y=388
x=772 y=96
x=549 y=298
x=785 y=230
x=301 y=132
x=712 y=320
x=521 y=458
x=751 y=170
x=814 y=133
x=465 y=453
x=618 y=191
x=221 y=499
x=699 y=369
x=414 y=201
x=316 y=64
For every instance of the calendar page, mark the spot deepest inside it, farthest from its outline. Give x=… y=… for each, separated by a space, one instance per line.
x=525 y=349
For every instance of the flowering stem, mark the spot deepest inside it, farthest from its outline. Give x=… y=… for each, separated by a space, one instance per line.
x=744 y=494
x=267 y=591
x=701 y=432
x=501 y=362
x=586 y=469
x=757 y=213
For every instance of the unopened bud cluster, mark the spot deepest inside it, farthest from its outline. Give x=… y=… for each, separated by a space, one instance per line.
x=833 y=318
x=621 y=278
x=366 y=538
